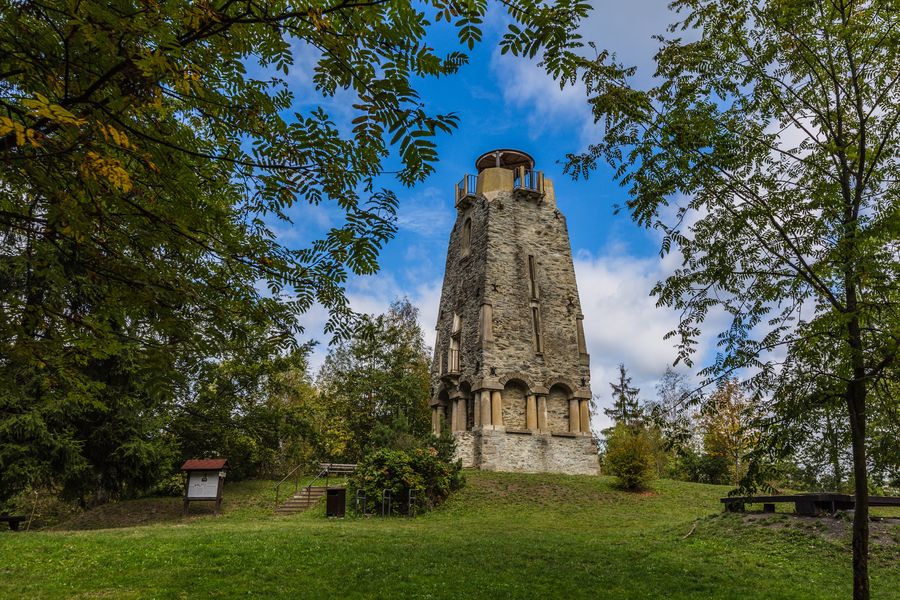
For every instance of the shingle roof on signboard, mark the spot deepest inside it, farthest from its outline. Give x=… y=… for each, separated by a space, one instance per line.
x=203 y=464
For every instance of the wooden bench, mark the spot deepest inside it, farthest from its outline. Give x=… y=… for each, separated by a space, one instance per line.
x=807 y=504
x=337 y=469
x=13 y=521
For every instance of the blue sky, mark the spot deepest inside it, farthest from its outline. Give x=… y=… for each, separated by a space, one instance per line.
x=504 y=101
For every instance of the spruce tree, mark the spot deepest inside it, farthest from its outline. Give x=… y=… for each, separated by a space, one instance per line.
x=626 y=408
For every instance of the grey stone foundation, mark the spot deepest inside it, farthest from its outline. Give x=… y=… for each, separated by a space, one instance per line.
x=527 y=452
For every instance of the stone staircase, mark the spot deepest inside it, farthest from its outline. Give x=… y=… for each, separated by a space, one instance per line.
x=310 y=495
x=305 y=498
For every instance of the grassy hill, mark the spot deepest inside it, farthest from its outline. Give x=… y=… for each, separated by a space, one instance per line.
x=503 y=536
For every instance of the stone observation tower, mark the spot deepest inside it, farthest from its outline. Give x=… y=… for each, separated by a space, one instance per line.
x=511 y=371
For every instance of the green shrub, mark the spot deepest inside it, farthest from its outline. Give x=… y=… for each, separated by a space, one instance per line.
x=173 y=485
x=423 y=471
x=698 y=467
x=629 y=456
x=44 y=507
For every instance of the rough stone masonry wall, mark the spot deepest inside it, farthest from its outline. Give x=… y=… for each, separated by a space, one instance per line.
x=465 y=448
x=557 y=410
x=519 y=228
x=507 y=227
x=462 y=294
x=527 y=453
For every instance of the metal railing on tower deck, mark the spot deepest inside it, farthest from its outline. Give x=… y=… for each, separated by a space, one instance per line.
x=528 y=180
x=466 y=188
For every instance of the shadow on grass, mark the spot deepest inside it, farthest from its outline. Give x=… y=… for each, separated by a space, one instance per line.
x=252 y=498
x=146 y=511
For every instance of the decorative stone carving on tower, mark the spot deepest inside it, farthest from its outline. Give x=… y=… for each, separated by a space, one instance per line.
x=511 y=373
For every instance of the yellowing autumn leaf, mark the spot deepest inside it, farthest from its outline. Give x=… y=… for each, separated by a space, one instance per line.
x=23 y=134
x=109 y=169
x=118 y=137
x=42 y=107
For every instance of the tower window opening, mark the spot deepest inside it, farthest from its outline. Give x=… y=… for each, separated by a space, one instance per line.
x=536 y=326
x=453 y=354
x=532 y=278
x=466 y=237
x=487 y=325
x=453 y=358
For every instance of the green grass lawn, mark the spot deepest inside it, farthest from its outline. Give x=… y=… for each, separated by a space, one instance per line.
x=504 y=535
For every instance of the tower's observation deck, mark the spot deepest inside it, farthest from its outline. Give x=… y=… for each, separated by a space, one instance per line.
x=501 y=170
x=511 y=373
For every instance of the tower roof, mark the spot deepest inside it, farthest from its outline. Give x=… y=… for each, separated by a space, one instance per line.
x=505 y=158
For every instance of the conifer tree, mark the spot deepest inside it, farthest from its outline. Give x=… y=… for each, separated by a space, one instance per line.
x=626 y=409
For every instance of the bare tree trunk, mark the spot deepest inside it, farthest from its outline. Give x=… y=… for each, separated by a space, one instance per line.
x=834 y=450
x=856 y=403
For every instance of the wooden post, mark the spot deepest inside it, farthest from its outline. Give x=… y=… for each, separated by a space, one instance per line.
x=187 y=481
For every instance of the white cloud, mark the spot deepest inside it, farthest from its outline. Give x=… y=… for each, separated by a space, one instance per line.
x=624 y=28
x=373 y=295
x=627 y=29
x=623 y=324
x=528 y=87
x=426 y=217
x=428 y=213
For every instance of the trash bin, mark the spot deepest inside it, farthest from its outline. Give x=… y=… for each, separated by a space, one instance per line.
x=336 y=502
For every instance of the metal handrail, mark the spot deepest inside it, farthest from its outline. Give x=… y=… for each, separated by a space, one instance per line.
x=466 y=187
x=285 y=478
x=528 y=179
x=324 y=471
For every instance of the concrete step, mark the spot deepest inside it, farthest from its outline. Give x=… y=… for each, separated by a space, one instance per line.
x=302 y=500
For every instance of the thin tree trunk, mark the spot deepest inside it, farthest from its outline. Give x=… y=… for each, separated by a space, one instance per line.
x=856 y=403
x=834 y=450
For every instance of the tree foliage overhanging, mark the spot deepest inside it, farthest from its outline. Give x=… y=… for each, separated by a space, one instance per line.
x=148 y=153
x=767 y=152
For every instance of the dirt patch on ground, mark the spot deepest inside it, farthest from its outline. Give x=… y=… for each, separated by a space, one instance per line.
x=147 y=511
x=882 y=532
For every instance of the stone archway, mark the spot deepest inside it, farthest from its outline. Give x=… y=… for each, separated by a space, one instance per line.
x=521 y=377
